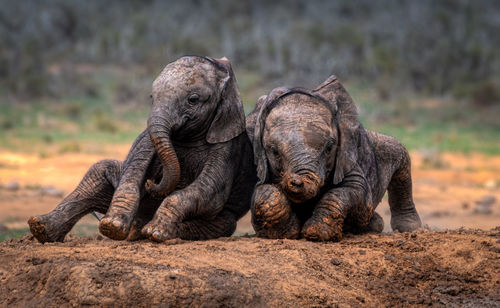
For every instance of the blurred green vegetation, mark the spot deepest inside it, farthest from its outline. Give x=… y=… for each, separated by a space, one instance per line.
x=81 y=229
x=101 y=116
x=84 y=124
x=75 y=75
x=431 y=47
x=13 y=233
x=423 y=122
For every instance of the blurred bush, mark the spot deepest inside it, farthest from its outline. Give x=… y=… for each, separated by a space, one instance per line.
x=433 y=47
x=70 y=147
x=103 y=122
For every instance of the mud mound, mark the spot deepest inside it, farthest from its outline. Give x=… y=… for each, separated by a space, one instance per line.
x=444 y=268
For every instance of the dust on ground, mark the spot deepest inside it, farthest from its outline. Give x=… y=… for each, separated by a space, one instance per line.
x=447 y=268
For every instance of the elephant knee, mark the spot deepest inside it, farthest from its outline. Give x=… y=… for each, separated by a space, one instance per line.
x=103 y=172
x=105 y=164
x=108 y=169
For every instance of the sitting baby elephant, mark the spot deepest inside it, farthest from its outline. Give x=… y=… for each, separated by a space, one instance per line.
x=192 y=168
x=320 y=172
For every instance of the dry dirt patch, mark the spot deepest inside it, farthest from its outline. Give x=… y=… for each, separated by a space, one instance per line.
x=442 y=268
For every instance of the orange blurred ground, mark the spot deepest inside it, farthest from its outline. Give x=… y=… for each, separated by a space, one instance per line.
x=445 y=192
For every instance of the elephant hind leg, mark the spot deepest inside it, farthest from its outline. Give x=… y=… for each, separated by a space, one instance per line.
x=222 y=225
x=94 y=193
x=404 y=216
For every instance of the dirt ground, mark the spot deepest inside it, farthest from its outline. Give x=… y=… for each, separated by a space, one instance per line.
x=433 y=266
x=423 y=268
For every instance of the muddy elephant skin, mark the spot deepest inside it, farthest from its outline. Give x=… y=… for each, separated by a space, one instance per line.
x=320 y=172
x=189 y=175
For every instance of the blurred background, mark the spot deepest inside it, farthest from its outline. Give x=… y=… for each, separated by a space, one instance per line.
x=75 y=79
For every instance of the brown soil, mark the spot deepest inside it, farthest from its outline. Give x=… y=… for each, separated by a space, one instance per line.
x=423 y=268
x=460 y=267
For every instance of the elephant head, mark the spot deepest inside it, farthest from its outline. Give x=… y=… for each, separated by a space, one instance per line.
x=195 y=99
x=302 y=138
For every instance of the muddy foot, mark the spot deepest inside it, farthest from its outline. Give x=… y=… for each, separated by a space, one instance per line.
x=290 y=230
x=113 y=228
x=327 y=229
x=376 y=224
x=272 y=216
x=159 y=232
x=270 y=222
x=406 y=222
x=39 y=231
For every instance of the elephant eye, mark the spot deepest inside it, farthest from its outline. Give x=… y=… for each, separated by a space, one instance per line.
x=275 y=151
x=193 y=98
x=329 y=146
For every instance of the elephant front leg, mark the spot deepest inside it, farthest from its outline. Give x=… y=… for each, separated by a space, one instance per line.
x=272 y=215
x=326 y=221
x=164 y=225
x=203 y=199
x=124 y=205
x=350 y=199
x=117 y=221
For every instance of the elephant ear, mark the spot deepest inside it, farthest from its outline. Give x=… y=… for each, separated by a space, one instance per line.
x=348 y=125
x=229 y=119
x=259 y=151
x=251 y=118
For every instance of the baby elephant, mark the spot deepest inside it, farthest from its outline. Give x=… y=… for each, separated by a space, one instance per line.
x=192 y=168
x=320 y=172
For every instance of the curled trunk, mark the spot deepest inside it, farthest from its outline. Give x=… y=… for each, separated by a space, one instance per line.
x=160 y=131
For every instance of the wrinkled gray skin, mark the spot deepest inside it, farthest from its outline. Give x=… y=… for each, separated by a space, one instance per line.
x=320 y=172
x=189 y=175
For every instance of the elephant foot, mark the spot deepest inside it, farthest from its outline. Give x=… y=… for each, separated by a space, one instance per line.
x=114 y=228
x=291 y=231
x=376 y=224
x=159 y=231
x=39 y=228
x=288 y=228
x=406 y=222
x=135 y=232
x=324 y=229
x=272 y=216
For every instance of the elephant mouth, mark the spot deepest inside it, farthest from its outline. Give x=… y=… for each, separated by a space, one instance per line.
x=300 y=188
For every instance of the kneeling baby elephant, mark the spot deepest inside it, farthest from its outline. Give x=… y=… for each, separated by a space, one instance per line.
x=189 y=175
x=320 y=172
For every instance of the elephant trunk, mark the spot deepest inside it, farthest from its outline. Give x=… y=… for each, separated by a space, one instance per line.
x=160 y=132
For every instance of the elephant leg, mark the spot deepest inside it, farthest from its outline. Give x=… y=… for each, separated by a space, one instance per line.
x=118 y=220
x=94 y=193
x=125 y=203
x=404 y=216
x=327 y=220
x=223 y=224
x=272 y=215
